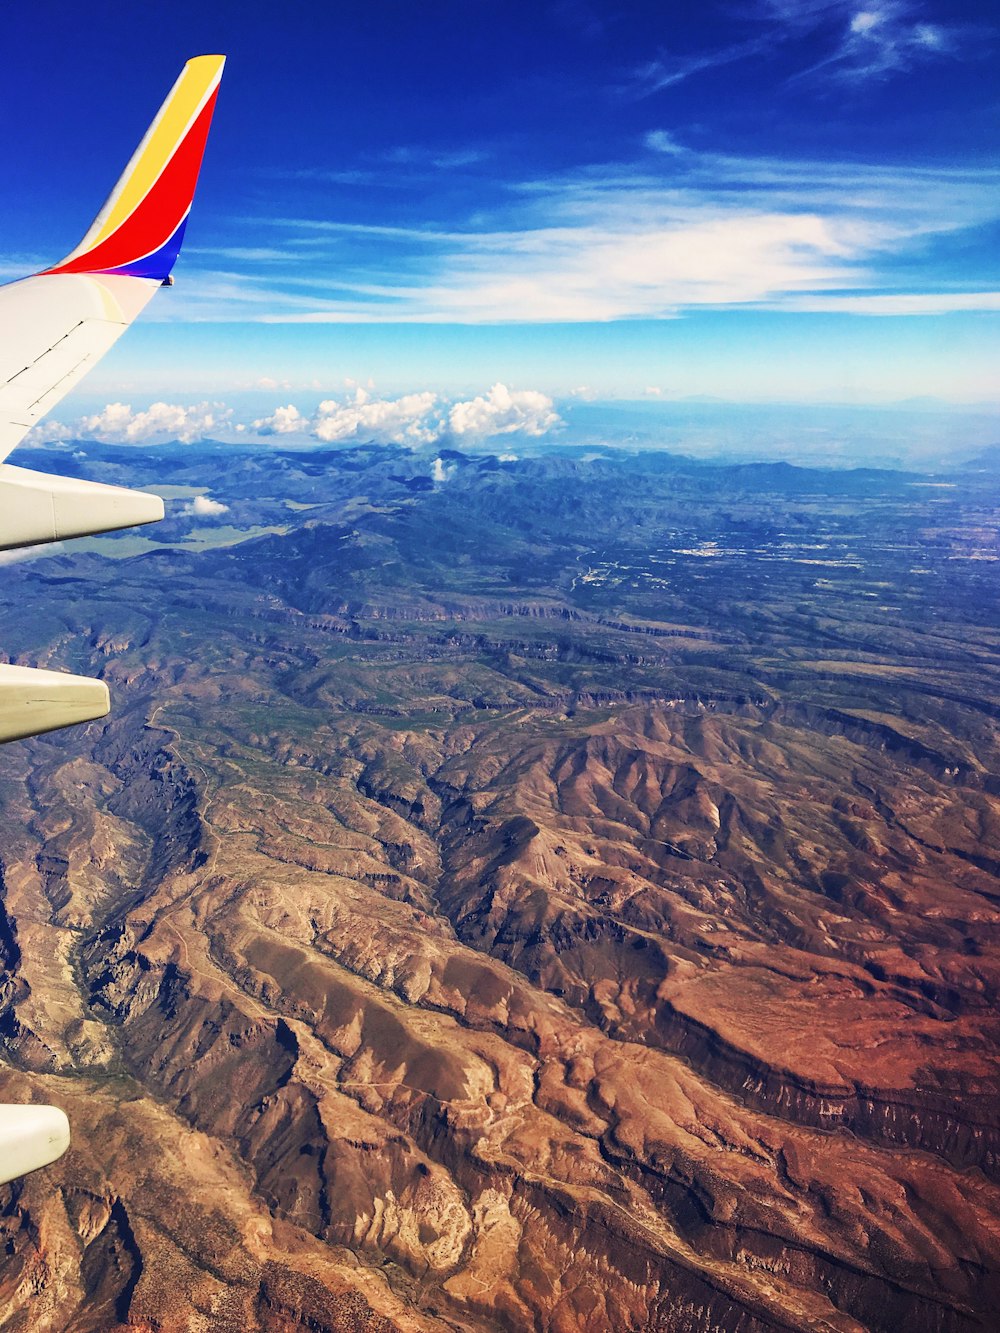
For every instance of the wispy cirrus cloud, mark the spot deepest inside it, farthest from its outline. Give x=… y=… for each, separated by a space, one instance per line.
x=16 y=266
x=418 y=155
x=665 y=70
x=898 y=303
x=677 y=230
x=843 y=39
x=662 y=141
x=245 y=253
x=883 y=37
x=410 y=165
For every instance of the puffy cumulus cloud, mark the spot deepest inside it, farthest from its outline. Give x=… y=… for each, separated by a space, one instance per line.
x=49 y=432
x=412 y=420
x=22 y=553
x=202 y=506
x=503 y=411
x=359 y=416
x=283 y=421
x=416 y=419
x=118 y=424
x=442 y=471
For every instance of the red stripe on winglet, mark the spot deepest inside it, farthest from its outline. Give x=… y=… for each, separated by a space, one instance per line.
x=158 y=216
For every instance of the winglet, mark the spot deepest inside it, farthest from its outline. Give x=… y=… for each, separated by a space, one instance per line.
x=139 y=230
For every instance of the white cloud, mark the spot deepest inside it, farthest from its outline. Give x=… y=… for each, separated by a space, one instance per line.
x=607 y=242
x=20 y=265
x=204 y=507
x=673 y=231
x=656 y=75
x=662 y=142
x=49 y=432
x=21 y=553
x=440 y=471
x=417 y=419
x=411 y=420
x=282 y=421
x=419 y=156
x=359 y=416
x=882 y=38
x=503 y=411
x=253 y=252
x=652 y=268
x=653 y=391
x=930 y=35
x=118 y=424
x=898 y=303
x=865 y=21
x=886 y=37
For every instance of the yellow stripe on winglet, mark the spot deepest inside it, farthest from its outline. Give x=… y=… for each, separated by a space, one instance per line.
x=185 y=99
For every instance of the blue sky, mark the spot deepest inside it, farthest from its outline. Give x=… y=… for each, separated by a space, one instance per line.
x=762 y=200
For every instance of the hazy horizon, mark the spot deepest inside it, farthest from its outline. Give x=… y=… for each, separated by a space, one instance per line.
x=783 y=199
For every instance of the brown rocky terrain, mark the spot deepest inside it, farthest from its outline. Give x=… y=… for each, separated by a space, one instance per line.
x=446 y=949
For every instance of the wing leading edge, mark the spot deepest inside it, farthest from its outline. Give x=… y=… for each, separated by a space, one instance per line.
x=53 y=327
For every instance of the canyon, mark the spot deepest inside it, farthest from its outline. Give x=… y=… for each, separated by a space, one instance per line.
x=562 y=897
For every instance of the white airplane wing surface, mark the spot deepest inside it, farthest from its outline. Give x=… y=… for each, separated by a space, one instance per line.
x=54 y=326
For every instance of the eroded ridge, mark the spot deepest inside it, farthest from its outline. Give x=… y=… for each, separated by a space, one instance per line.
x=503 y=962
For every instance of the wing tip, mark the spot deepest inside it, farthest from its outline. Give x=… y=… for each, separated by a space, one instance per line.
x=214 y=62
x=139 y=231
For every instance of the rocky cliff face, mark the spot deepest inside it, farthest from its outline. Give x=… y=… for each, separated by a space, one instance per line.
x=418 y=981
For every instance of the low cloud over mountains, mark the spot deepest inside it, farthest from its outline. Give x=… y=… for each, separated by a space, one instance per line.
x=413 y=419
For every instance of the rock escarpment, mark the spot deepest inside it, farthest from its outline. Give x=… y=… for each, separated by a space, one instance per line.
x=419 y=981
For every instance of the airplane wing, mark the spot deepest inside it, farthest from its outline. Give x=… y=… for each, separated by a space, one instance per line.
x=56 y=325
x=53 y=327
